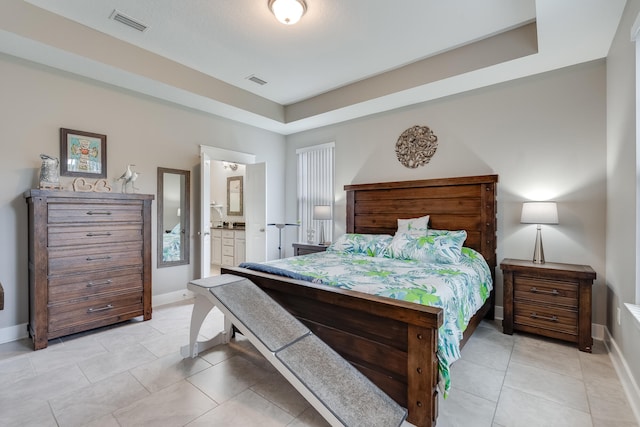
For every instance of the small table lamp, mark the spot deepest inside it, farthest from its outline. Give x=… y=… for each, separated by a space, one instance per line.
x=539 y=213
x=322 y=213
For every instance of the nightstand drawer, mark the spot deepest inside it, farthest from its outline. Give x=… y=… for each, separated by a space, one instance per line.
x=549 y=318
x=545 y=291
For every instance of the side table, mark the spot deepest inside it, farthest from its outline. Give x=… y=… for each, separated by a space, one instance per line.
x=549 y=299
x=307 y=248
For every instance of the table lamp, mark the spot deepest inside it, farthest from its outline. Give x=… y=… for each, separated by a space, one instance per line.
x=539 y=213
x=322 y=213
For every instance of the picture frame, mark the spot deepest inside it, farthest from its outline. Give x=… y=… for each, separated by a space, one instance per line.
x=83 y=154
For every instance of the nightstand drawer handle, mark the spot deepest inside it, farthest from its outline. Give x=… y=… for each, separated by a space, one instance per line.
x=538 y=291
x=551 y=319
x=98 y=234
x=106 y=307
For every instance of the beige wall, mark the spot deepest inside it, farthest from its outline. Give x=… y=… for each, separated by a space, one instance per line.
x=622 y=190
x=544 y=136
x=36 y=101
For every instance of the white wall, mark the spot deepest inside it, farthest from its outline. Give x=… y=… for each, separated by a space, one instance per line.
x=36 y=101
x=622 y=190
x=544 y=136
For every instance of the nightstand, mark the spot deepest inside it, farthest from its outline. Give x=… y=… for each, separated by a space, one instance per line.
x=307 y=248
x=549 y=299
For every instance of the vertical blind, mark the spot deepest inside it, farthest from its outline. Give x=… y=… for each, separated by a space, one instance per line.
x=315 y=187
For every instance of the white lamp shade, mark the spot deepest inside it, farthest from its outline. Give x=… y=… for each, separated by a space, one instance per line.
x=322 y=212
x=539 y=213
x=288 y=11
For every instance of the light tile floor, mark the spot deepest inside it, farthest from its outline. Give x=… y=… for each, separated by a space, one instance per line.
x=132 y=374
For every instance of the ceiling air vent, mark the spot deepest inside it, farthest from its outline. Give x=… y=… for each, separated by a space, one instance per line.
x=128 y=21
x=258 y=80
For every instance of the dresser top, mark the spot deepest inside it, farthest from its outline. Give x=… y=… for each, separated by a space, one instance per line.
x=509 y=264
x=86 y=194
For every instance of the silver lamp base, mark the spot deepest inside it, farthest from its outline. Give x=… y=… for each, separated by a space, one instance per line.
x=538 y=252
x=321 y=238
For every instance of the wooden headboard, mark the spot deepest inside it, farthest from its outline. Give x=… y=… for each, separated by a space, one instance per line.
x=461 y=203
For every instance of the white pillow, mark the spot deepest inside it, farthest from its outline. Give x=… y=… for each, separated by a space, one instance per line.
x=413 y=226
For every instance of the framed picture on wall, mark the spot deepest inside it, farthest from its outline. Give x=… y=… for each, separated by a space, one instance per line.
x=83 y=154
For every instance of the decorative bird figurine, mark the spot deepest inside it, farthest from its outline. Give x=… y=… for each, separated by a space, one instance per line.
x=125 y=177
x=132 y=180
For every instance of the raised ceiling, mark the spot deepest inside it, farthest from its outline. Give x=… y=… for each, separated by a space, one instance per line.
x=343 y=60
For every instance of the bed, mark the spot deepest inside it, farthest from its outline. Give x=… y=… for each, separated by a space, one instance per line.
x=393 y=342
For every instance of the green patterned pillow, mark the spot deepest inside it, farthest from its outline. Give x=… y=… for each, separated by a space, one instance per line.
x=413 y=226
x=438 y=246
x=364 y=244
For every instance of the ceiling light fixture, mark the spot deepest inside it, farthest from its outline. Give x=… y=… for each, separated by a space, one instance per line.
x=288 y=11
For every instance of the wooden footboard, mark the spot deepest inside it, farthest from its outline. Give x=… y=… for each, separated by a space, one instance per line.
x=392 y=342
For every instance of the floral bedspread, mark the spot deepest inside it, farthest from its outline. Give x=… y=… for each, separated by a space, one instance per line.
x=459 y=289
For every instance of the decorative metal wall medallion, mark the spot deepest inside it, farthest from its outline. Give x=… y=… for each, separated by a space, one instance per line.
x=416 y=146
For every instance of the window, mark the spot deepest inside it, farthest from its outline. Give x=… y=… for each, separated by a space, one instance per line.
x=315 y=188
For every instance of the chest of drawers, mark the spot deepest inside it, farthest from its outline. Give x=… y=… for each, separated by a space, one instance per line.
x=89 y=261
x=549 y=299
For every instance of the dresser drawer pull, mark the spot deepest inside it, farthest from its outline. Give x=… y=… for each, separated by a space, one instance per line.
x=538 y=291
x=551 y=319
x=106 y=307
x=90 y=258
x=98 y=234
x=104 y=282
x=98 y=213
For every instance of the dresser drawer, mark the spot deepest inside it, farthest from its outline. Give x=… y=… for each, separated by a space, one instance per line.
x=227 y=242
x=546 y=317
x=72 y=287
x=91 y=258
x=78 y=314
x=545 y=291
x=227 y=261
x=227 y=234
x=64 y=235
x=73 y=213
x=227 y=251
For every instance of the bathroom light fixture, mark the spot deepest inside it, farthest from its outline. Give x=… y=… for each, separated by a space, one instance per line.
x=229 y=165
x=539 y=213
x=288 y=11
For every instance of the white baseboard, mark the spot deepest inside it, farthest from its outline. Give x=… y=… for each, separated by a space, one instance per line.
x=499 y=313
x=13 y=333
x=629 y=384
x=171 y=297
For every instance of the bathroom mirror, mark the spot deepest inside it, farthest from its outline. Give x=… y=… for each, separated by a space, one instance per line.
x=234 y=196
x=173 y=217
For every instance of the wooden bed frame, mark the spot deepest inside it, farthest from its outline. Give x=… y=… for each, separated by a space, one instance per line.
x=393 y=342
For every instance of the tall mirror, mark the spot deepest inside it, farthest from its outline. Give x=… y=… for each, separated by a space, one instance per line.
x=173 y=217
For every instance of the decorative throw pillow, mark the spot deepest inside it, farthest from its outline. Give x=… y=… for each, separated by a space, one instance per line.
x=364 y=244
x=438 y=246
x=414 y=226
